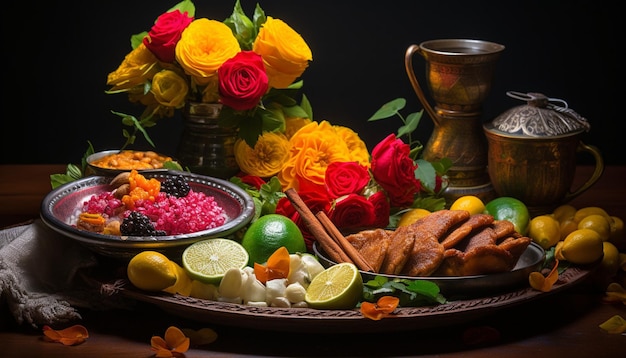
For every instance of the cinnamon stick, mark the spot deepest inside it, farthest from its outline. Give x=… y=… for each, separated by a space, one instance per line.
x=327 y=243
x=347 y=247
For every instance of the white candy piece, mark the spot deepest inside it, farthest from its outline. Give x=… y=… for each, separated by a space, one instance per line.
x=232 y=282
x=295 y=292
x=275 y=288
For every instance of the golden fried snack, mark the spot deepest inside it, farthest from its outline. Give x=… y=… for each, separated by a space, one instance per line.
x=475 y=222
x=372 y=245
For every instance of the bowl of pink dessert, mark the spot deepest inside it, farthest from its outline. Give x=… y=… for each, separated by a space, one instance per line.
x=164 y=211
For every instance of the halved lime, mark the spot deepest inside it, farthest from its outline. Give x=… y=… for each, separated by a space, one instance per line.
x=208 y=260
x=338 y=287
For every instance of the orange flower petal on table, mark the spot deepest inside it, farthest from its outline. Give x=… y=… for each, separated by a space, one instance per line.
x=382 y=308
x=277 y=266
x=615 y=325
x=70 y=336
x=200 y=337
x=544 y=284
x=174 y=344
x=614 y=293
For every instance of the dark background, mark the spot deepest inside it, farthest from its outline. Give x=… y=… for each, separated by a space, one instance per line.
x=58 y=56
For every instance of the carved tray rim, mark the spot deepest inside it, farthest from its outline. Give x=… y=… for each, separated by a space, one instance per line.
x=309 y=320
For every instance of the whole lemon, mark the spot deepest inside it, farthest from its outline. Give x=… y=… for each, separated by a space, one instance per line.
x=544 y=230
x=151 y=271
x=610 y=260
x=617 y=236
x=470 y=203
x=589 y=210
x=268 y=233
x=412 y=216
x=598 y=223
x=582 y=246
x=564 y=212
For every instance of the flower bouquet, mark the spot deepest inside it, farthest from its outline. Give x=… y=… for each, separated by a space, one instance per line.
x=249 y=66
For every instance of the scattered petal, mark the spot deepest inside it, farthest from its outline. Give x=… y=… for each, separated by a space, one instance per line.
x=475 y=336
x=70 y=336
x=615 y=325
x=614 y=293
x=382 y=308
x=174 y=344
x=200 y=337
x=544 y=284
x=277 y=266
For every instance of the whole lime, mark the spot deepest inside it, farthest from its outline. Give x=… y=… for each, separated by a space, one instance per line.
x=511 y=209
x=268 y=233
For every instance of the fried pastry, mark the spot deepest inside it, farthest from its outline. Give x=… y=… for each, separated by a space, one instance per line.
x=372 y=245
x=427 y=251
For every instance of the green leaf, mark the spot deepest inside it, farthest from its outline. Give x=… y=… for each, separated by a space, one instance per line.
x=412 y=121
x=389 y=109
x=272 y=119
x=295 y=112
x=136 y=40
x=242 y=27
x=306 y=105
x=185 y=5
x=425 y=173
x=258 y=17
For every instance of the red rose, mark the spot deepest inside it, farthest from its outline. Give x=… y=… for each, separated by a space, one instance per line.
x=394 y=170
x=381 y=209
x=243 y=81
x=316 y=201
x=165 y=33
x=343 y=178
x=251 y=180
x=353 y=211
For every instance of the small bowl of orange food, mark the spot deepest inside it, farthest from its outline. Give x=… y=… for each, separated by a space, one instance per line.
x=113 y=162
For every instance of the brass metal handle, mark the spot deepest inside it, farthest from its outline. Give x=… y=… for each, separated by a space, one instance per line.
x=408 y=64
x=597 y=173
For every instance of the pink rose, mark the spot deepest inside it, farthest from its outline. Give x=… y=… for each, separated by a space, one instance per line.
x=381 y=209
x=353 y=211
x=394 y=170
x=343 y=178
x=243 y=81
x=165 y=33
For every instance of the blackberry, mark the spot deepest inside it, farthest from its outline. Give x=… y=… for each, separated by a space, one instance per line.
x=138 y=224
x=175 y=186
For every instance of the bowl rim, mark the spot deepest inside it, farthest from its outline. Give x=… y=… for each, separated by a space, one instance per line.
x=234 y=224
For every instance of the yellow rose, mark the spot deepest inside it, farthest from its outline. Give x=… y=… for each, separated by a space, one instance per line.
x=285 y=53
x=169 y=89
x=293 y=124
x=270 y=153
x=355 y=144
x=139 y=66
x=203 y=47
x=313 y=148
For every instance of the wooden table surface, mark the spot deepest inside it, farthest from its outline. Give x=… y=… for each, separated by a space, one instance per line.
x=563 y=324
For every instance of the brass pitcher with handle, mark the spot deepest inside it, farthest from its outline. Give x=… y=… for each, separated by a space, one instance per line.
x=458 y=74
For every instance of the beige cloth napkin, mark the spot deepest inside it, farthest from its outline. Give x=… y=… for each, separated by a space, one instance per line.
x=40 y=279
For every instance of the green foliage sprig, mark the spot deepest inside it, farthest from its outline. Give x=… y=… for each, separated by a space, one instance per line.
x=412 y=293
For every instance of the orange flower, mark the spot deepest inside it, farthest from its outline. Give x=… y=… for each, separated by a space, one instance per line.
x=277 y=266
x=313 y=148
x=174 y=344
x=70 y=336
x=382 y=308
x=544 y=284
